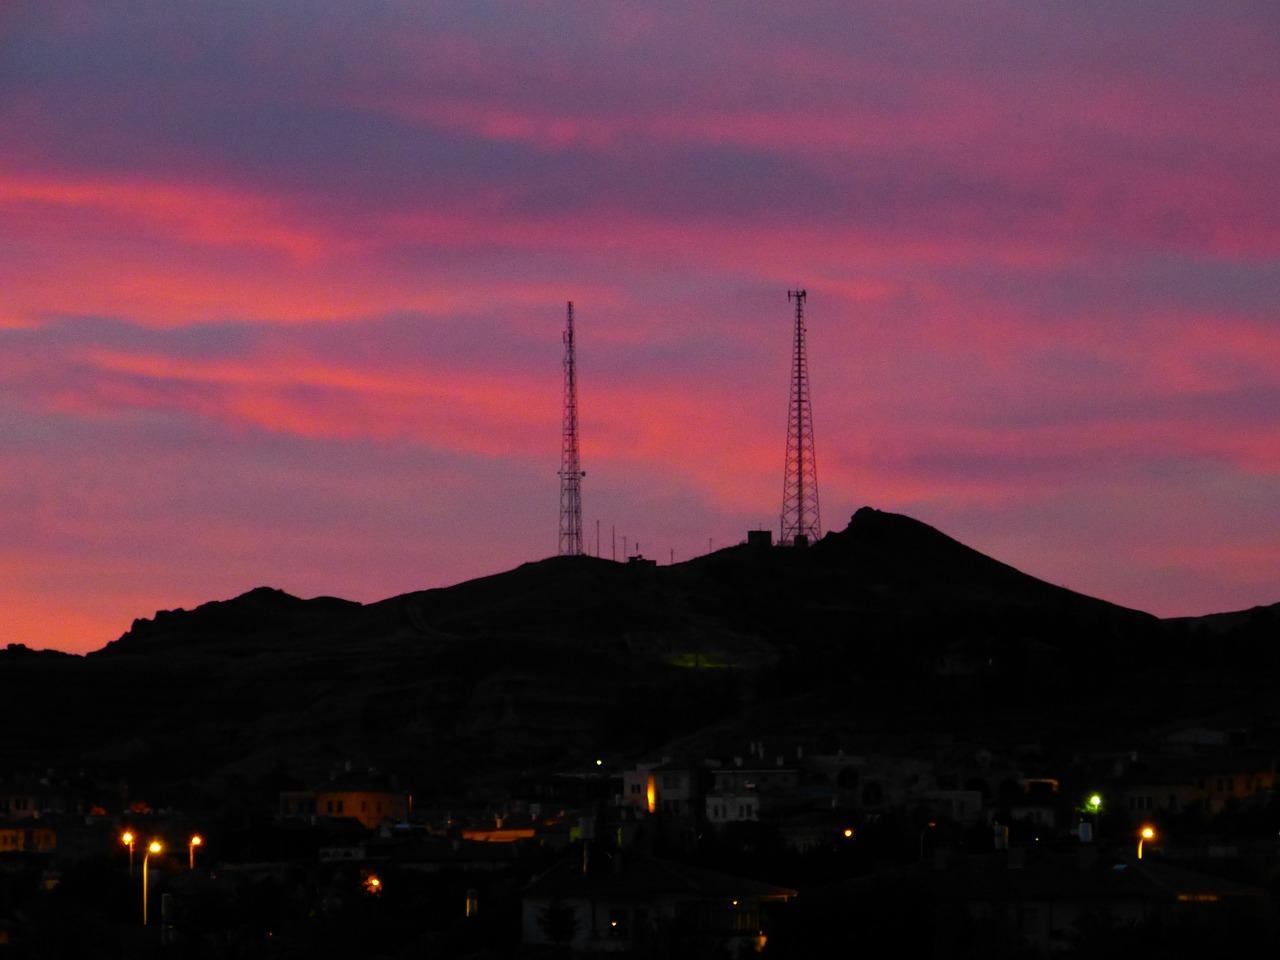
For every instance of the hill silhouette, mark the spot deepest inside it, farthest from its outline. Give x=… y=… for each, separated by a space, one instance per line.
x=885 y=626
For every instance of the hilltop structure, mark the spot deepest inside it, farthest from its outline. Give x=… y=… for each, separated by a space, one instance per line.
x=571 y=472
x=801 y=523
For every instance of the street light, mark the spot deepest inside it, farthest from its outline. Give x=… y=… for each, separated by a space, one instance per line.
x=195 y=841
x=127 y=838
x=1088 y=827
x=922 y=834
x=1147 y=833
x=153 y=848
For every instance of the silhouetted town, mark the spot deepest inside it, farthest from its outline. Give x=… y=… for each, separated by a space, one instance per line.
x=882 y=741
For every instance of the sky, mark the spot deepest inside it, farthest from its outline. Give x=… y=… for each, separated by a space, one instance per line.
x=283 y=284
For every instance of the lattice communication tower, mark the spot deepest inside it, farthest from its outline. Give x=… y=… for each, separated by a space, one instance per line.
x=800 y=518
x=571 y=472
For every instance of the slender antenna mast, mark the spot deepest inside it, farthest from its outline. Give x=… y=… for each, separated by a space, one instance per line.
x=800 y=519
x=571 y=472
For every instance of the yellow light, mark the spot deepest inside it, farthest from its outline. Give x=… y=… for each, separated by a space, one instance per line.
x=153 y=847
x=127 y=839
x=196 y=840
x=1147 y=833
x=848 y=832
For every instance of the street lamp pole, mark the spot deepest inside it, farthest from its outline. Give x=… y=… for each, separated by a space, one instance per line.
x=196 y=840
x=154 y=847
x=1148 y=833
x=1090 y=830
x=128 y=840
x=922 y=835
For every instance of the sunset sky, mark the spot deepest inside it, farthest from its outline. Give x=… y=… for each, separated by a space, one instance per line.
x=282 y=286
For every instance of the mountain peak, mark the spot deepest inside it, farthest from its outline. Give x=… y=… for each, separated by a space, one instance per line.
x=900 y=555
x=257 y=612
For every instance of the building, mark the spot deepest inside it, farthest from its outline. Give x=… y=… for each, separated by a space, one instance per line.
x=672 y=789
x=369 y=798
x=27 y=837
x=746 y=793
x=1018 y=903
x=23 y=797
x=629 y=902
x=640 y=788
x=1204 y=783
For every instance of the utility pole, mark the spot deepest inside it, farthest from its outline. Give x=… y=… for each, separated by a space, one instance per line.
x=571 y=472
x=800 y=519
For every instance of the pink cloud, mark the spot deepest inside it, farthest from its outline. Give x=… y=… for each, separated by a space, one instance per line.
x=184 y=214
x=1038 y=245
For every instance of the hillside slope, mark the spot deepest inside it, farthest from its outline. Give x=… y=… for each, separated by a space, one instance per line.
x=885 y=623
